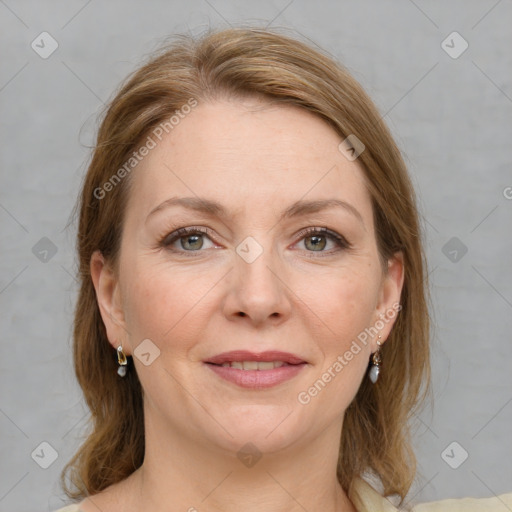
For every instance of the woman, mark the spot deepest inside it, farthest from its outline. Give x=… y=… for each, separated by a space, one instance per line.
x=252 y=326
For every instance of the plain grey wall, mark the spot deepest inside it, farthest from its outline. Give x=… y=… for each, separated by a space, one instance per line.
x=450 y=111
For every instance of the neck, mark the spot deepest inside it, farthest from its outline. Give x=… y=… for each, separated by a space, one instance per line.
x=181 y=473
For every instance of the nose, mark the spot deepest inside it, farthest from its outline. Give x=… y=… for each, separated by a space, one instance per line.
x=257 y=290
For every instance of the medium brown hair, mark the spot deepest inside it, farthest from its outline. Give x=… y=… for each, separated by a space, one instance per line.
x=239 y=62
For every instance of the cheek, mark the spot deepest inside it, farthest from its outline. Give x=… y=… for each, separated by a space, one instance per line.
x=346 y=307
x=164 y=304
x=344 y=301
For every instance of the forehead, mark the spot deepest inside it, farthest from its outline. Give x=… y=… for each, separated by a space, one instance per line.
x=248 y=154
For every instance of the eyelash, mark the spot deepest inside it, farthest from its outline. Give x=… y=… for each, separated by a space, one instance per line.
x=339 y=240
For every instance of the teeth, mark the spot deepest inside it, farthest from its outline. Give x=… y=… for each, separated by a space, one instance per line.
x=254 y=365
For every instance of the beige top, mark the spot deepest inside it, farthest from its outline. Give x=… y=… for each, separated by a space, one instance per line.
x=366 y=499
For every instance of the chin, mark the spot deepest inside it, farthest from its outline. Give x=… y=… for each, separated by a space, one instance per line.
x=269 y=428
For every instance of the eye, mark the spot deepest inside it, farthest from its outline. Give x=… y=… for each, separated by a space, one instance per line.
x=317 y=239
x=189 y=239
x=193 y=239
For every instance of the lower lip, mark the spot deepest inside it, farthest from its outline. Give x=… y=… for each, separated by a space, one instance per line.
x=255 y=379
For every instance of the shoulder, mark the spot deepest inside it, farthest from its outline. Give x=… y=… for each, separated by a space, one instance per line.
x=496 y=504
x=366 y=499
x=70 y=508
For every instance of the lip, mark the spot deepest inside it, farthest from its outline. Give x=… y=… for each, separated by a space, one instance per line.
x=246 y=355
x=256 y=379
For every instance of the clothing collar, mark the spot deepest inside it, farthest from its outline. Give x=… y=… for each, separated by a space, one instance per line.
x=366 y=499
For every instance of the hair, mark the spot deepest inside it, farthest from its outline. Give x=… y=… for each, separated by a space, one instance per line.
x=242 y=62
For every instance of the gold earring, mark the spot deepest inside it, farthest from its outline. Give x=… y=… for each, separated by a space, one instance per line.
x=121 y=359
x=376 y=359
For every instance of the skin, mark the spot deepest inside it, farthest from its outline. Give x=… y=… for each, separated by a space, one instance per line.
x=256 y=160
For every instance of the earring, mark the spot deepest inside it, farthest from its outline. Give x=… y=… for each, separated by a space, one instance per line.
x=121 y=359
x=376 y=360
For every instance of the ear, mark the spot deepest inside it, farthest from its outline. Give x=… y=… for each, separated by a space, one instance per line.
x=388 y=305
x=108 y=296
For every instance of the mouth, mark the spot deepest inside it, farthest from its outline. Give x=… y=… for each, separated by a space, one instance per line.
x=241 y=356
x=252 y=365
x=256 y=370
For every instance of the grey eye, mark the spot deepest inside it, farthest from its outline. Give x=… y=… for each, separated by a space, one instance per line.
x=315 y=242
x=192 y=242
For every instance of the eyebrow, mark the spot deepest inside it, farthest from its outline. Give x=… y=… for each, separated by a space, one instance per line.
x=297 y=209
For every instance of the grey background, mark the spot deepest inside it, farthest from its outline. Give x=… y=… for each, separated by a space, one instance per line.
x=451 y=117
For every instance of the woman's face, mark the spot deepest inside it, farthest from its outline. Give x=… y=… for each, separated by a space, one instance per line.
x=276 y=256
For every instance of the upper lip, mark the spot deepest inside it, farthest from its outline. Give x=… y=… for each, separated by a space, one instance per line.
x=246 y=355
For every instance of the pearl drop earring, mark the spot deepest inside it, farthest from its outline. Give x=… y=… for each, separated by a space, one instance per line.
x=376 y=359
x=121 y=359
